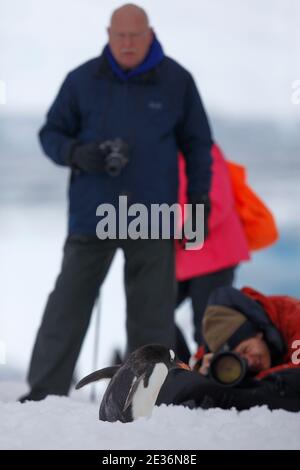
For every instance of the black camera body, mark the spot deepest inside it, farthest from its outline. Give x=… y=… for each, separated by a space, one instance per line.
x=115 y=154
x=228 y=369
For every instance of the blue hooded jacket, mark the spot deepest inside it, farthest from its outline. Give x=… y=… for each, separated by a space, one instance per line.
x=155 y=108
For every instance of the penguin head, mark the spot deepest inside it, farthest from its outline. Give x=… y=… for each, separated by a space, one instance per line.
x=176 y=363
x=152 y=354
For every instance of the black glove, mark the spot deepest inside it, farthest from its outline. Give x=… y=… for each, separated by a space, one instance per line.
x=87 y=157
x=193 y=200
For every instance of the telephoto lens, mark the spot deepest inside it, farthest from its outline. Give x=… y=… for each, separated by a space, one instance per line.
x=228 y=369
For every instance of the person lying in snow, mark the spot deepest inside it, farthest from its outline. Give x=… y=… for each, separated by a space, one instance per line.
x=265 y=332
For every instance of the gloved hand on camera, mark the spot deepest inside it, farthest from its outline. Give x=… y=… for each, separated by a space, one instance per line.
x=110 y=156
x=192 y=221
x=87 y=157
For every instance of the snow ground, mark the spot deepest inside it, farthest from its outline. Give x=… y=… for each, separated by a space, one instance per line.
x=72 y=423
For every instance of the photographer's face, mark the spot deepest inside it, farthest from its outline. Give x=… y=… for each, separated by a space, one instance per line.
x=129 y=38
x=256 y=353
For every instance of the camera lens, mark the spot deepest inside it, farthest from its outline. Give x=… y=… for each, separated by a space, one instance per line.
x=116 y=156
x=113 y=165
x=228 y=369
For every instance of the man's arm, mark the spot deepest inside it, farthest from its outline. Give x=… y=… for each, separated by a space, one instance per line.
x=195 y=142
x=191 y=389
x=58 y=135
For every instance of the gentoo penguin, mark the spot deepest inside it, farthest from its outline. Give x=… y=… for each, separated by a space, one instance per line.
x=135 y=385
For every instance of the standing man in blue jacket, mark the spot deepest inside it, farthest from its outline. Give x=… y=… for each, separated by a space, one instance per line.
x=135 y=103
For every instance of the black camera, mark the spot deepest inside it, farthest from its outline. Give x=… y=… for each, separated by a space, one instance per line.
x=115 y=155
x=228 y=369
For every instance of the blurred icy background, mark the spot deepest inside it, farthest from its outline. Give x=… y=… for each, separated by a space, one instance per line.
x=244 y=56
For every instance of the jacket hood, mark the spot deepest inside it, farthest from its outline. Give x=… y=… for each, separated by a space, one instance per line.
x=254 y=312
x=154 y=57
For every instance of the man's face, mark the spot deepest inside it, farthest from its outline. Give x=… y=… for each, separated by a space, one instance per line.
x=129 y=38
x=256 y=353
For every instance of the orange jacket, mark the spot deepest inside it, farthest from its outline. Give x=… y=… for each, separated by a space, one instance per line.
x=257 y=220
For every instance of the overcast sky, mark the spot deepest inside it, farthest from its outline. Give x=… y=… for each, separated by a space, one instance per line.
x=244 y=54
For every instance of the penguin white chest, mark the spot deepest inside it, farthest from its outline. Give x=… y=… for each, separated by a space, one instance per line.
x=145 y=397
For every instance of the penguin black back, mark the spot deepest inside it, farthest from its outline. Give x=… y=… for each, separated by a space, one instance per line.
x=135 y=385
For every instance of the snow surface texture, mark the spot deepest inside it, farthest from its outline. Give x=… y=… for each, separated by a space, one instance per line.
x=71 y=423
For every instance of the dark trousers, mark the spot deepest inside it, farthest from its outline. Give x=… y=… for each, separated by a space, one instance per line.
x=150 y=293
x=199 y=289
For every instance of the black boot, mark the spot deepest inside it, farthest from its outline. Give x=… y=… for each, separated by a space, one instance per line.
x=33 y=395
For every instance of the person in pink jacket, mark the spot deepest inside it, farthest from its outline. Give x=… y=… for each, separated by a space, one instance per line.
x=199 y=272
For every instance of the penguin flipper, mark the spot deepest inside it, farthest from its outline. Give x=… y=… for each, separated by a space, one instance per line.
x=106 y=373
x=132 y=391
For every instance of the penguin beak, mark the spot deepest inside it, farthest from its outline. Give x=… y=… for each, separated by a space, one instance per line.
x=181 y=365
